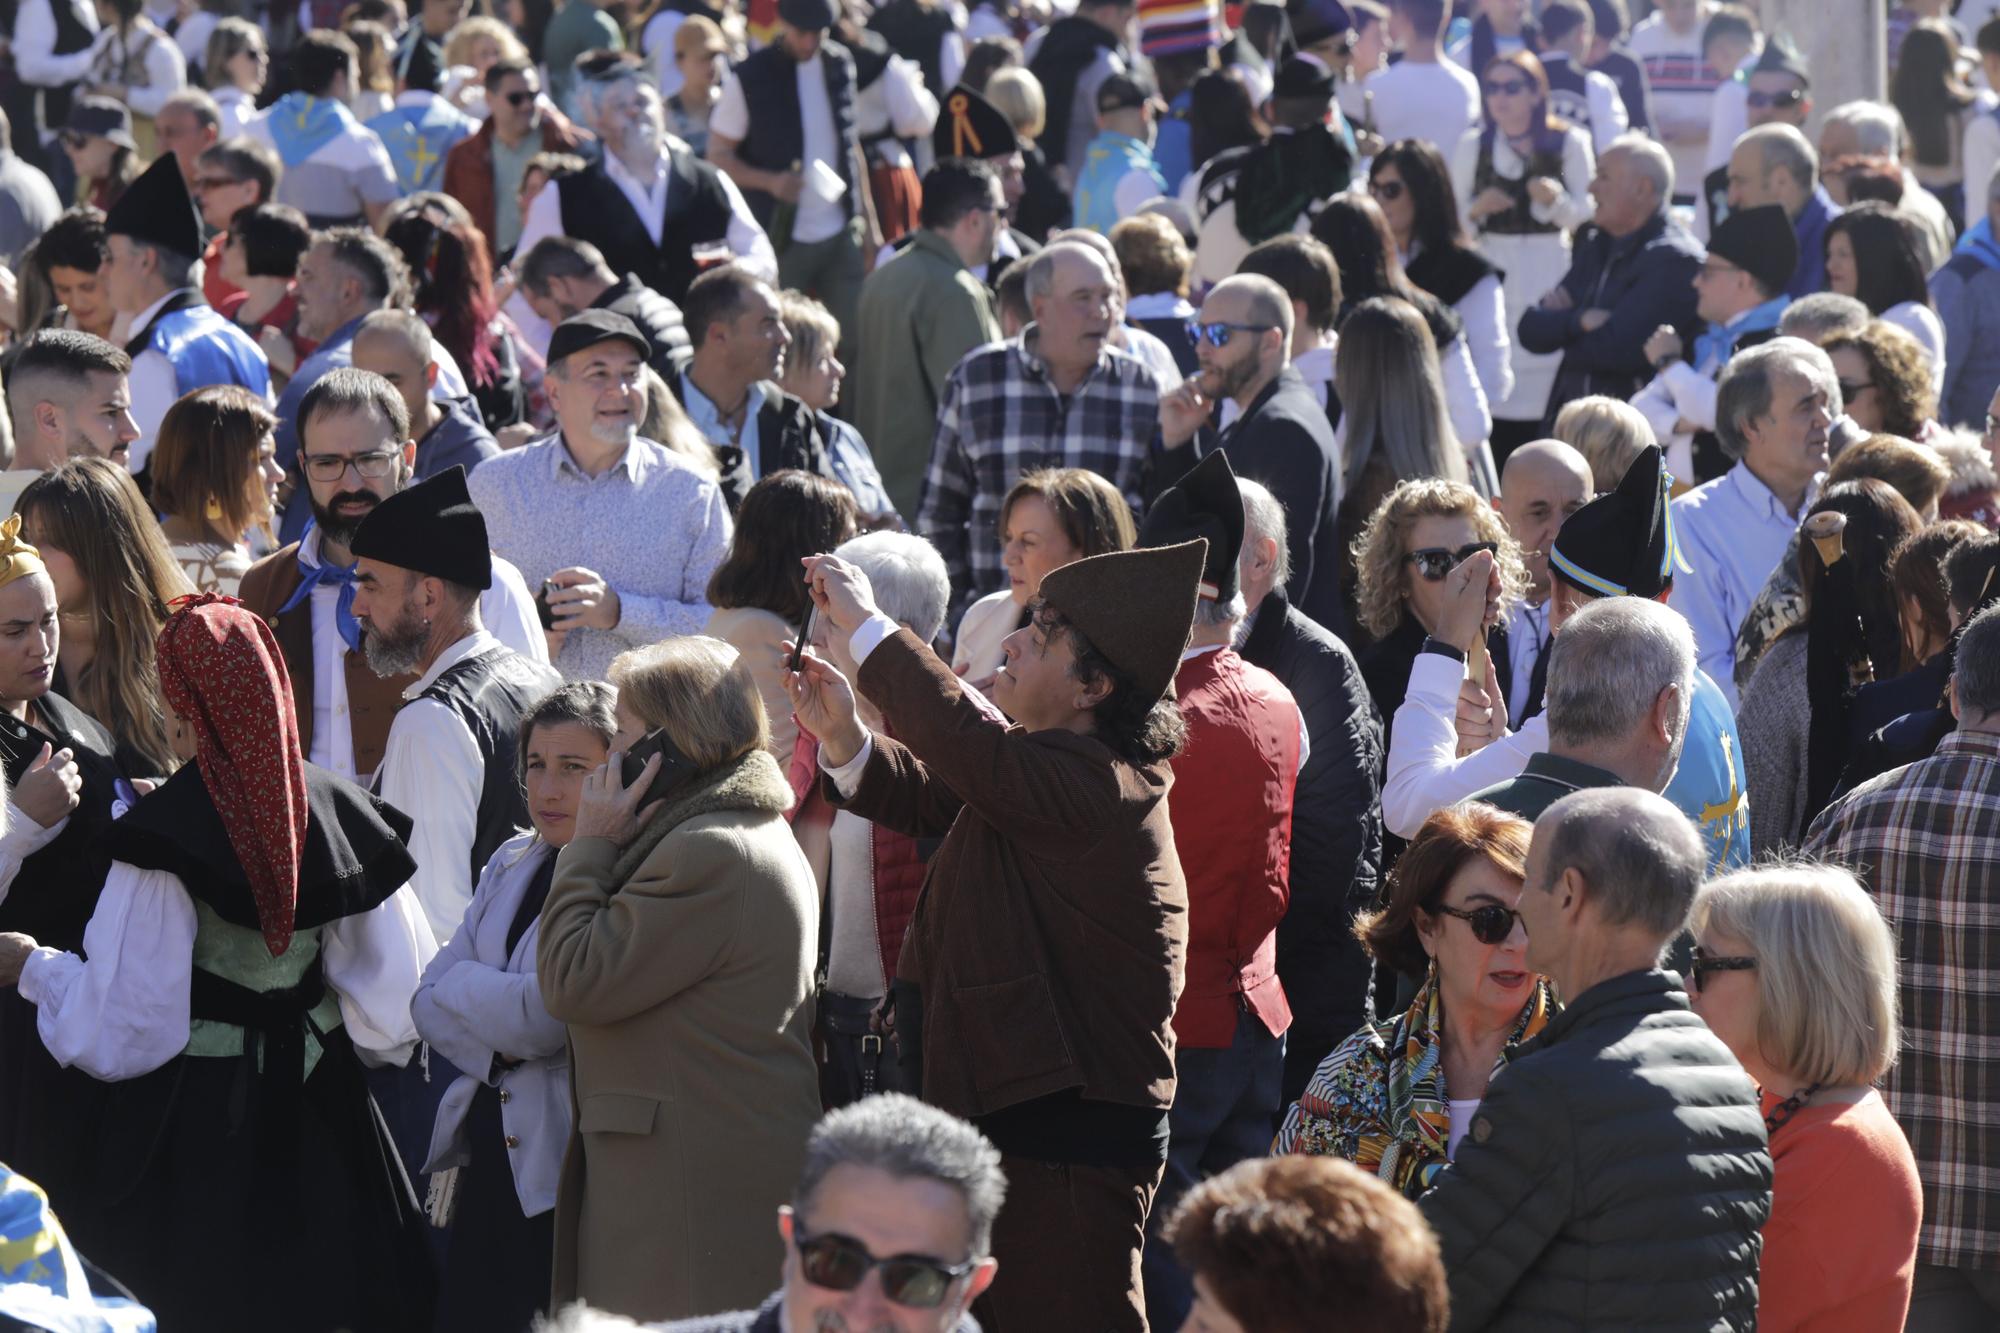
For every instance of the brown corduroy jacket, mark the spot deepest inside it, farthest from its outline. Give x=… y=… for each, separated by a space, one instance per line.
x=372 y=700
x=468 y=167
x=1048 y=945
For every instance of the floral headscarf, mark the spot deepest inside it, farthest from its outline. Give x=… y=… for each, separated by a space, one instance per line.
x=1380 y=1101
x=221 y=670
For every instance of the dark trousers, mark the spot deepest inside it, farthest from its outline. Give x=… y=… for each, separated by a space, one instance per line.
x=1226 y=1104
x=1954 y=1300
x=1068 y=1240
x=408 y=1098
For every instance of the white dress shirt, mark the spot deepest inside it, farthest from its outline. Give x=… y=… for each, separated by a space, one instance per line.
x=1425 y=772
x=153 y=385
x=34 y=46
x=745 y=238
x=1527 y=640
x=433 y=771
x=1733 y=531
x=507 y=610
x=124 y=1012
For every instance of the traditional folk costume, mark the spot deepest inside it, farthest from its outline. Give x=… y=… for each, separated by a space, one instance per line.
x=49 y=883
x=254 y=942
x=1036 y=988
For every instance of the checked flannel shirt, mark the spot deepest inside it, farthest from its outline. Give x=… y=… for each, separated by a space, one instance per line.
x=1925 y=840
x=1000 y=416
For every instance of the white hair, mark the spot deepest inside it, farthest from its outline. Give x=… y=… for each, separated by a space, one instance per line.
x=1264 y=516
x=1877 y=126
x=912 y=585
x=1608 y=666
x=1652 y=159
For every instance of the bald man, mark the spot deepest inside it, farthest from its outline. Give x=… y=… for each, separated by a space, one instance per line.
x=1543 y=483
x=1281 y=436
x=398 y=346
x=1775 y=164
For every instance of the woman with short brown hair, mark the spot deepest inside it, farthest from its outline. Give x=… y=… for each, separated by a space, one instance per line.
x=1396 y=1097
x=215 y=476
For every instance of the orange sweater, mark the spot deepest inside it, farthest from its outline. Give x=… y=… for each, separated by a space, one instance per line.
x=1841 y=1246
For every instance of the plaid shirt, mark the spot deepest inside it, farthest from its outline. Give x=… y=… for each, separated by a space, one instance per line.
x=1926 y=840
x=1001 y=416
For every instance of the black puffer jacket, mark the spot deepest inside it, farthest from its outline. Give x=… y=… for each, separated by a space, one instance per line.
x=1336 y=834
x=1615 y=1176
x=657 y=317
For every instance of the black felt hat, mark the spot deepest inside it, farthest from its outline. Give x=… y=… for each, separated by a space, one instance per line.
x=433 y=528
x=807 y=15
x=158 y=210
x=1303 y=77
x=1314 y=21
x=1761 y=242
x=1622 y=543
x=1205 y=503
x=970 y=126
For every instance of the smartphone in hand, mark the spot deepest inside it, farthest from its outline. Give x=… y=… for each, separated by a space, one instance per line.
x=799 y=643
x=675 y=767
x=542 y=607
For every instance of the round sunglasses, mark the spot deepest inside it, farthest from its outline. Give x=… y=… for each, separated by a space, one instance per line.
x=840 y=1263
x=1491 y=923
x=1434 y=562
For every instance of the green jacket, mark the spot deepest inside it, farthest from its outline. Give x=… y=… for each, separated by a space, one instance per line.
x=925 y=310
x=1547 y=779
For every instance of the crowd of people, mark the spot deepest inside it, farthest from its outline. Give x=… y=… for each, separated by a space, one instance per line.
x=1091 y=666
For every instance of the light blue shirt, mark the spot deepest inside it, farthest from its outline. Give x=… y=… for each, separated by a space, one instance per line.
x=707 y=419
x=650 y=526
x=1733 y=532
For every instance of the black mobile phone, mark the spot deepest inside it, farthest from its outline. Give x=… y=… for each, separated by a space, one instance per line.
x=805 y=632
x=675 y=767
x=542 y=607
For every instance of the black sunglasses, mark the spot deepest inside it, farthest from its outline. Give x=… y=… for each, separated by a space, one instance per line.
x=520 y=98
x=1765 y=101
x=1704 y=964
x=1849 y=391
x=1490 y=924
x=1434 y=562
x=1508 y=88
x=840 y=1263
x=1387 y=191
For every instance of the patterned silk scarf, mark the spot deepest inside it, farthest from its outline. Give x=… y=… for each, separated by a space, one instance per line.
x=220 y=670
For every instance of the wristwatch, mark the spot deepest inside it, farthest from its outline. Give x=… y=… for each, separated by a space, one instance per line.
x=1443 y=649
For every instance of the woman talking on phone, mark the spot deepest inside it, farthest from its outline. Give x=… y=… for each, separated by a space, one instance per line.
x=678 y=944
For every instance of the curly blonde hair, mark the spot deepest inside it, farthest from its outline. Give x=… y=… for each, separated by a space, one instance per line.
x=458 y=42
x=1382 y=587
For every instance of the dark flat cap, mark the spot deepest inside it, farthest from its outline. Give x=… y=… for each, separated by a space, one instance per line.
x=105 y=117
x=1780 y=56
x=587 y=328
x=807 y=15
x=1121 y=92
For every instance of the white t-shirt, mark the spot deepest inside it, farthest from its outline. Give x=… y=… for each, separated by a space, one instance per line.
x=1437 y=103
x=816 y=219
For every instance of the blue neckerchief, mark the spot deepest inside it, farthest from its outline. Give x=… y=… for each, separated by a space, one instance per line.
x=1720 y=339
x=1979 y=243
x=342 y=577
x=300 y=125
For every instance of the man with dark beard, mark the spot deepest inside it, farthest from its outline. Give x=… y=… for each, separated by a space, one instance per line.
x=355 y=451
x=1281 y=436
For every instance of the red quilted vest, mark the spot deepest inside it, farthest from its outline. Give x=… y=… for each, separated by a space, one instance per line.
x=1231 y=807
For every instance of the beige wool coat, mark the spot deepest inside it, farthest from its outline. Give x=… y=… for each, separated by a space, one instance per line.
x=683 y=966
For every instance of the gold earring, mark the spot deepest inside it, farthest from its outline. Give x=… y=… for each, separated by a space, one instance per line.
x=212 y=511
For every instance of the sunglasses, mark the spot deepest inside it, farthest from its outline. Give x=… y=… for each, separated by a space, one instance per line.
x=1434 y=562
x=840 y=1263
x=520 y=98
x=1765 y=101
x=1849 y=391
x=1387 y=191
x=73 y=138
x=214 y=183
x=1219 y=333
x=1507 y=88
x=1490 y=924
x=1703 y=964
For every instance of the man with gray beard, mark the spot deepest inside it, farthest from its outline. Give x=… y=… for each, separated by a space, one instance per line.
x=422 y=559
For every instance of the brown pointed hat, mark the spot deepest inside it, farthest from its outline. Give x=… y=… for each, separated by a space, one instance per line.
x=1135 y=607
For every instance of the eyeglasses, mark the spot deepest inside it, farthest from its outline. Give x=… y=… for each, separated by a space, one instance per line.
x=1490 y=924
x=840 y=1263
x=520 y=99
x=1218 y=333
x=1434 y=562
x=1765 y=101
x=1704 y=964
x=1849 y=391
x=214 y=183
x=1387 y=191
x=73 y=138
x=331 y=467
x=1507 y=88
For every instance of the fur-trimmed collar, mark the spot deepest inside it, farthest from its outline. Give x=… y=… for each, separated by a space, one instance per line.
x=754 y=782
x=1971 y=466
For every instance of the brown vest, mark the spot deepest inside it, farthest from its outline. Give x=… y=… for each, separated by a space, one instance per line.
x=371 y=700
